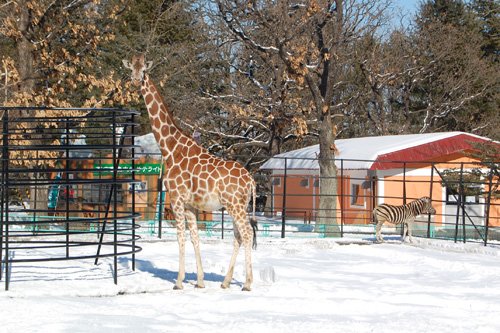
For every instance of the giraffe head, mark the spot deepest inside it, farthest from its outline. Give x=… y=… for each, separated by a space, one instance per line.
x=139 y=66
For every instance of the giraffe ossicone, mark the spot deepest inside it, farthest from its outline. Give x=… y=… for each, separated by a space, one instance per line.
x=195 y=179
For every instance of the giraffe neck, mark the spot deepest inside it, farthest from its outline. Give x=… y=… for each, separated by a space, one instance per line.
x=166 y=132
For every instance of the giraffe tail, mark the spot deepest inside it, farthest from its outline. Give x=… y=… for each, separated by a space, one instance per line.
x=253 y=223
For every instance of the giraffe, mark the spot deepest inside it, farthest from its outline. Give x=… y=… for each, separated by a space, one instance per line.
x=195 y=179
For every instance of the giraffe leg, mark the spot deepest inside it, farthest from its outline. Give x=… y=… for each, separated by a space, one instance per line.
x=247 y=243
x=230 y=271
x=178 y=209
x=243 y=235
x=195 y=239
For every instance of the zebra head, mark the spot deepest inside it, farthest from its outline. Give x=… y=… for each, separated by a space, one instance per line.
x=427 y=207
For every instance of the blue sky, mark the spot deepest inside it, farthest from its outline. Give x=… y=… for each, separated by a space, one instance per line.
x=407 y=7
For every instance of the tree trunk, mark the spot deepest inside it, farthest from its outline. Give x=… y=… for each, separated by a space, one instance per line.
x=327 y=219
x=25 y=51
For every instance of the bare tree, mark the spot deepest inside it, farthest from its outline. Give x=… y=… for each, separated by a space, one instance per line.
x=51 y=58
x=309 y=47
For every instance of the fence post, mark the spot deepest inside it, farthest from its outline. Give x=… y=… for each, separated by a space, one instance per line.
x=283 y=208
x=404 y=198
x=430 y=196
x=488 y=203
x=463 y=201
x=342 y=198
x=459 y=201
x=5 y=196
x=222 y=223
x=159 y=186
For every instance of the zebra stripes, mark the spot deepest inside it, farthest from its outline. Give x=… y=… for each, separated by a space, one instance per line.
x=404 y=214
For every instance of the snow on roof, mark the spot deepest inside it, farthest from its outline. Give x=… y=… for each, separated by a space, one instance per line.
x=147 y=145
x=357 y=153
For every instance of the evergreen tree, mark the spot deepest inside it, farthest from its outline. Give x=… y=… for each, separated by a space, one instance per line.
x=459 y=86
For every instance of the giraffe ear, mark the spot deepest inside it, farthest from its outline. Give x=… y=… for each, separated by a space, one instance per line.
x=126 y=64
x=149 y=64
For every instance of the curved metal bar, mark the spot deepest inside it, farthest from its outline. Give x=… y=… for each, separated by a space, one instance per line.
x=53 y=163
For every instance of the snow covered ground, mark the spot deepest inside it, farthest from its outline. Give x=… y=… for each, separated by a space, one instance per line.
x=301 y=285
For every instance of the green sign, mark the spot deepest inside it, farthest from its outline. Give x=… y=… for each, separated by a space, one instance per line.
x=126 y=168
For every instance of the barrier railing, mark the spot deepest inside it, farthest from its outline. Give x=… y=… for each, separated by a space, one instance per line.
x=468 y=208
x=53 y=204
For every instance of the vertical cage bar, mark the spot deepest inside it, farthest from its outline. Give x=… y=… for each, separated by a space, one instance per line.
x=132 y=154
x=5 y=196
x=67 y=185
x=2 y=193
x=116 y=162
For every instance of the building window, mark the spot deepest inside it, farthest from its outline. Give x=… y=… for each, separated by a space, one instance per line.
x=452 y=197
x=304 y=182
x=357 y=195
x=276 y=181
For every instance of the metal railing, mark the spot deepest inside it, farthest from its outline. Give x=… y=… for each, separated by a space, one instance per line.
x=75 y=185
x=469 y=209
x=43 y=217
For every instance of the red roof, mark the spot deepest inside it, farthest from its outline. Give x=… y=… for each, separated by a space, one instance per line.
x=426 y=152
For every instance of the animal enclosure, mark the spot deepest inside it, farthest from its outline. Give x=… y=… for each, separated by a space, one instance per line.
x=53 y=203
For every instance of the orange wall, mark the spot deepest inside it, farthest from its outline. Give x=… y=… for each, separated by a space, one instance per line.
x=416 y=187
x=494 y=220
x=303 y=202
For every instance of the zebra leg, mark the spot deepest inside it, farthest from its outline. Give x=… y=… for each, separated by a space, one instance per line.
x=406 y=231
x=410 y=227
x=378 y=232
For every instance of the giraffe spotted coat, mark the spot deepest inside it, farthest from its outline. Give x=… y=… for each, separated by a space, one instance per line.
x=195 y=179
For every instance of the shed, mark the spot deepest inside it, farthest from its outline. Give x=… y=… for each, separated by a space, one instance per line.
x=384 y=169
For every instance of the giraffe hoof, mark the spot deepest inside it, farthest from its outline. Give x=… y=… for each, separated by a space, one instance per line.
x=176 y=287
x=224 y=286
x=199 y=286
x=245 y=289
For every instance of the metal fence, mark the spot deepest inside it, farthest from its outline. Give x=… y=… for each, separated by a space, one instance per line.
x=75 y=184
x=465 y=194
x=54 y=204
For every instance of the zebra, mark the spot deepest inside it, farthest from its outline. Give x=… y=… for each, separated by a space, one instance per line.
x=404 y=214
